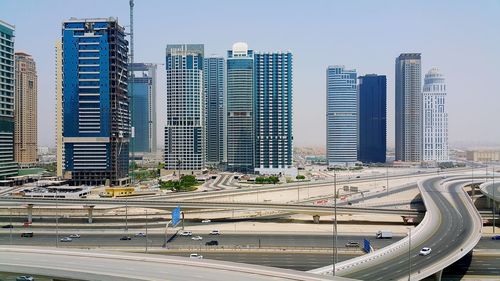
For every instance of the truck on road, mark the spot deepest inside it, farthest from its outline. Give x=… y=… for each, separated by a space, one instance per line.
x=383 y=234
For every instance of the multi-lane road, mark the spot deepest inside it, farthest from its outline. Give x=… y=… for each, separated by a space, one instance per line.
x=456 y=225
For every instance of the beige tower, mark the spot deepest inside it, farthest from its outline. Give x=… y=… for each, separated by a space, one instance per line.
x=25 y=112
x=59 y=111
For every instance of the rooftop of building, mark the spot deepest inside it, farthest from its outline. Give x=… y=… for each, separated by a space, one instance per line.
x=6 y=24
x=73 y=19
x=410 y=56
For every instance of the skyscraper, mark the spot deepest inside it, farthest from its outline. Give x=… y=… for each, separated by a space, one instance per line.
x=59 y=110
x=184 y=138
x=408 y=108
x=96 y=119
x=341 y=116
x=214 y=82
x=143 y=82
x=435 y=139
x=372 y=102
x=273 y=113
x=8 y=166
x=240 y=140
x=25 y=114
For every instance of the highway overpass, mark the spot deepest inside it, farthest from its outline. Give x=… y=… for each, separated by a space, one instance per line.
x=114 y=266
x=451 y=226
x=491 y=190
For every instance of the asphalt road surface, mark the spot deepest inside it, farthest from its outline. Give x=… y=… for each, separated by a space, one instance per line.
x=455 y=227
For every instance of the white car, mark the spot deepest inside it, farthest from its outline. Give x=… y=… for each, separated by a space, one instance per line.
x=66 y=239
x=214 y=232
x=186 y=233
x=195 y=256
x=206 y=221
x=74 y=236
x=197 y=238
x=140 y=234
x=425 y=251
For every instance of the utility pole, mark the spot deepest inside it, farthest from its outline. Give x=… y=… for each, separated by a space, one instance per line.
x=10 y=226
x=387 y=178
x=494 y=201
x=57 y=221
x=146 y=230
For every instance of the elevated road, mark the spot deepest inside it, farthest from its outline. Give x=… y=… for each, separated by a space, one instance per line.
x=451 y=227
x=113 y=266
x=292 y=208
x=491 y=190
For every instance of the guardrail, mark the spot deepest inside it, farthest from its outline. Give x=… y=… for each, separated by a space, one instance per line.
x=424 y=230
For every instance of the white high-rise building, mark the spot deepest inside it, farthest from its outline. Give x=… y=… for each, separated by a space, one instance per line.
x=435 y=127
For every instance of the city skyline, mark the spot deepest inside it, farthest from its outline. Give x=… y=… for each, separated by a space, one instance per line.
x=438 y=49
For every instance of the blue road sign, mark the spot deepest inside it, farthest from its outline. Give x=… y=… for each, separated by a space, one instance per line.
x=176 y=215
x=366 y=246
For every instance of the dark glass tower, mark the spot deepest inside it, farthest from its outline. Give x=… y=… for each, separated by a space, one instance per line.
x=96 y=119
x=372 y=106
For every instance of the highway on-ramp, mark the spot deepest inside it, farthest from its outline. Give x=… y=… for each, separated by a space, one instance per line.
x=112 y=266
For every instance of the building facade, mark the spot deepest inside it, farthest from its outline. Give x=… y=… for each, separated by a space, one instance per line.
x=483 y=155
x=341 y=116
x=59 y=110
x=25 y=113
x=215 y=115
x=435 y=120
x=8 y=167
x=240 y=141
x=184 y=135
x=96 y=119
x=408 y=108
x=372 y=124
x=142 y=87
x=273 y=113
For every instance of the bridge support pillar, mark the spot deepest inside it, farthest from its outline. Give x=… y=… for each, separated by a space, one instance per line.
x=316 y=218
x=488 y=202
x=90 y=209
x=437 y=276
x=30 y=213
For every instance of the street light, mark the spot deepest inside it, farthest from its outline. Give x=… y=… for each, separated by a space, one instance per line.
x=146 y=230
x=494 y=201
x=409 y=253
x=387 y=178
x=11 y=226
x=335 y=217
x=57 y=220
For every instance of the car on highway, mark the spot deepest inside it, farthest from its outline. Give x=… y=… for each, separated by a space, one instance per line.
x=66 y=239
x=125 y=238
x=27 y=224
x=195 y=256
x=425 y=251
x=186 y=233
x=206 y=221
x=197 y=238
x=74 y=235
x=496 y=237
x=212 y=243
x=8 y=226
x=214 y=232
x=352 y=244
x=140 y=234
x=25 y=278
x=27 y=234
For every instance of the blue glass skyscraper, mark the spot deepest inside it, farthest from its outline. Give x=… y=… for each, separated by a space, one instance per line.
x=184 y=128
x=214 y=81
x=341 y=116
x=143 y=82
x=7 y=165
x=273 y=113
x=240 y=140
x=372 y=102
x=96 y=122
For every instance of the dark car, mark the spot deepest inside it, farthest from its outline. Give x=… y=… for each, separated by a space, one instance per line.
x=212 y=243
x=27 y=234
x=25 y=278
x=496 y=237
x=8 y=226
x=125 y=238
x=352 y=244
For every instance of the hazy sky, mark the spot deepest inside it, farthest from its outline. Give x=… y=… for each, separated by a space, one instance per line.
x=462 y=38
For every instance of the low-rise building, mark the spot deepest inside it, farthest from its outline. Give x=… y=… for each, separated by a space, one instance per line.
x=483 y=155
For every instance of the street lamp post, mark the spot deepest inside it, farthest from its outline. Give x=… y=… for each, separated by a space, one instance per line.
x=146 y=230
x=335 y=217
x=387 y=178
x=10 y=226
x=409 y=254
x=494 y=201
x=126 y=214
x=57 y=220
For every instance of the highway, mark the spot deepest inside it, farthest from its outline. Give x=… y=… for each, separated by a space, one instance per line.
x=292 y=208
x=455 y=228
x=114 y=266
x=489 y=189
x=225 y=240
